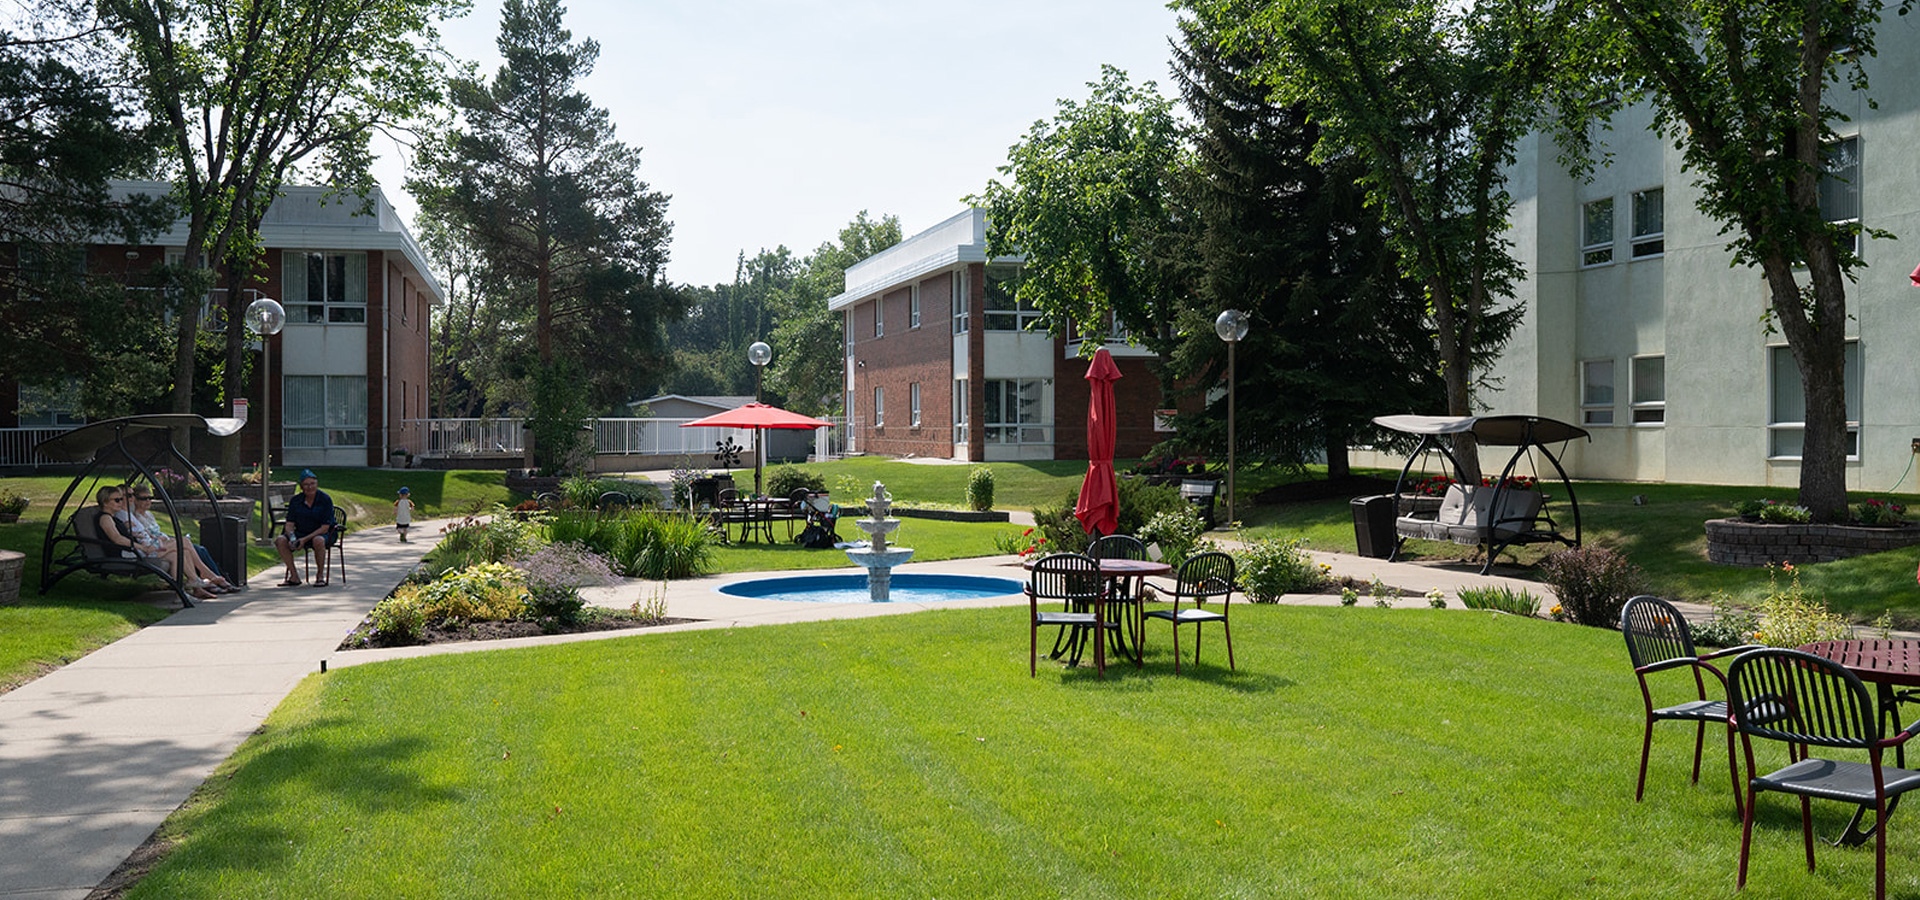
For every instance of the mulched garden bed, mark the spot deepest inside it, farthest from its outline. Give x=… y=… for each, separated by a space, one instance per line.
x=500 y=631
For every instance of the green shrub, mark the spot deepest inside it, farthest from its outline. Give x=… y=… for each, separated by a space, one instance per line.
x=399 y=619
x=1063 y=532
x=1176 y=531
x=1784 y=513
x=1749 y=509
x=487 y=592
x=784 y=479
x=1592 y=584
x=1501 y=598
x=1731 y=626
x=1789 y=618
x=1140 y=502
x=980 y=489
x=1271 y=568
x=1880 y=512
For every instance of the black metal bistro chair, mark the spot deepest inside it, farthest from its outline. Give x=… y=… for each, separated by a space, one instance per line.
x=1073 y=581
x=1202 y=579
x=1658 y=641
x=1124 y=593
x=1809 y=702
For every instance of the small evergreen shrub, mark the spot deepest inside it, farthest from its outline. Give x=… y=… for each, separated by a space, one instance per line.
x=1271 y=568
x=980 y=489
x=1592 y=584
x=1501 y=598
x=1140 y=502
x=784 y=479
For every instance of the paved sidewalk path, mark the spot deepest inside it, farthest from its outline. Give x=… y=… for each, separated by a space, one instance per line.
x=95 y=756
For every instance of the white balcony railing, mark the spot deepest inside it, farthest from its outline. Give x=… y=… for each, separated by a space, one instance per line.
x=16 y=445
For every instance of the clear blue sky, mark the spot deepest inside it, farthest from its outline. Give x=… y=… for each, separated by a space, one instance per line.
x=773 y=122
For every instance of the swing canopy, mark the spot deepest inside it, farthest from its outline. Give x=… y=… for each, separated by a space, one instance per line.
x=1496 y=514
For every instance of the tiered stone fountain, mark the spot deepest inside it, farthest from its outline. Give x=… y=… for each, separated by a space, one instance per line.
x=877 y=558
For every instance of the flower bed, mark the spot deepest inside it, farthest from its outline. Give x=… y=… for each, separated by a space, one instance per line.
x=1738 y=542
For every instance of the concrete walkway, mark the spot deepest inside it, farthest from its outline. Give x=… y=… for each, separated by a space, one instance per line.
x=95 y=756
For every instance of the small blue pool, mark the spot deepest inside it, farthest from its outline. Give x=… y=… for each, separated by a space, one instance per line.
x=913 y=588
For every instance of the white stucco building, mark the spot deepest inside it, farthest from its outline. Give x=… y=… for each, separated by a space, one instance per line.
x=1639 y=328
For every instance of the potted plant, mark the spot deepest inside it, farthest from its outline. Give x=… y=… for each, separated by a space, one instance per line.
x=402 y=458
x=12 y=504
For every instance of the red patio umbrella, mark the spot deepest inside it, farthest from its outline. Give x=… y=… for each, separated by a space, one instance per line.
x=1099 y=506
x=758 y=416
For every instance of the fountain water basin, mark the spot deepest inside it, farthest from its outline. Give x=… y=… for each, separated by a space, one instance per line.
x=876 y=557
x=905 y=588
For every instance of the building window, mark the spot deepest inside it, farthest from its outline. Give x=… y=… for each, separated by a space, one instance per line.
x=879 y=407
x=1005 y=312
x=324 y=411
x=50 y=406
x=1649 y=390
x=960 y=411
x=913 y=307
x=1014 y=412
x=1649 y=223
x=1840 y=186
x=1787 y=426
x=1596 y=392
x=960 y=305
x=913 y=404
x=324 y=287
x=879 y=316
x=1596 y=233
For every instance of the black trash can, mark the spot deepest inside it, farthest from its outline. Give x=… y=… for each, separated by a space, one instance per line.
x=1373 y=525
x=225 y=538
x=1201 y=494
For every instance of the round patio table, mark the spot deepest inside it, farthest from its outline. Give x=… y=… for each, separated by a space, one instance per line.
x=1116 y=572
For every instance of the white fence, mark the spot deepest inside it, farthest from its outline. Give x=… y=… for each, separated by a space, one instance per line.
x=16 y=445
x=470 y=438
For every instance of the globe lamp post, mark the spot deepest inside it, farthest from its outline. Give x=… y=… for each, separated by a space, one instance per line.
x=759 y=354
x=265 y=317
x=1231 y=326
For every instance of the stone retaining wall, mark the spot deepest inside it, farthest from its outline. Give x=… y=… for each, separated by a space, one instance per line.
x=1738 y=542
x=13 y=564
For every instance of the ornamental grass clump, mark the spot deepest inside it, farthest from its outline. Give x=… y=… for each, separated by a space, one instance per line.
x=1269 y=569
x=662 y=546
x=1501 y=598
x=1592 y=583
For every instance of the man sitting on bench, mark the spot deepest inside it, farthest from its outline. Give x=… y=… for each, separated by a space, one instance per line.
x=310 y=525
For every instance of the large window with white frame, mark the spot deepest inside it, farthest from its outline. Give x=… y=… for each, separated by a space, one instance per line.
x=324 y=411
x=879 y=407
x=1840 y=185
x=1787 y=420
x=1013 y=411
x=960 y=410
x=322 y=287
x=960 y=304
x=1649 y=222
x=1596 y=232
x=1649 y=391
x=1596 y=392
x=1005 y=311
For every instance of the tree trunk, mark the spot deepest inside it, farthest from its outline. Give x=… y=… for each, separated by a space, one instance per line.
x=1823 y=453
x=1338 y=467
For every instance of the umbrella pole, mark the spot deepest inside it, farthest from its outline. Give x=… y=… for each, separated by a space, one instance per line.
x=759 y=458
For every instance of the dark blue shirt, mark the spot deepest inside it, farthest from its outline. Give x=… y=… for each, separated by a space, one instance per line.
x=306 y=519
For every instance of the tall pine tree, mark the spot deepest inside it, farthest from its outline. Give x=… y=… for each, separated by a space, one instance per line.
x=1339 y=336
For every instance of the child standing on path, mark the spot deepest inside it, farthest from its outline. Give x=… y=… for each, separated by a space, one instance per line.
x=403 y=513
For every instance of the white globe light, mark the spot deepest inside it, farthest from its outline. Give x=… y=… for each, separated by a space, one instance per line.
x=264 y=316
x=1231 y=326
x=759 y=354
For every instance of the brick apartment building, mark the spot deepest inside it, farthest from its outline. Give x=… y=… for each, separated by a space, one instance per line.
x=939 y=362
x=349 y=371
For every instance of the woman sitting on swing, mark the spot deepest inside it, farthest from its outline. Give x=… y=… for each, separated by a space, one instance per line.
x=113 y=504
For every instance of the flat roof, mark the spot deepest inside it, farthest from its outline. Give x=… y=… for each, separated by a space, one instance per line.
x=962 y=238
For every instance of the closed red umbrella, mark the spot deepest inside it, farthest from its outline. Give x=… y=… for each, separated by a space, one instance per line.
x=1099 y=506
x=757 y=416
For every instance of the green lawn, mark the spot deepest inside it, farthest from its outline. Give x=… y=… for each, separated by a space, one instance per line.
x=1356 y=753
x=1021 y=485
